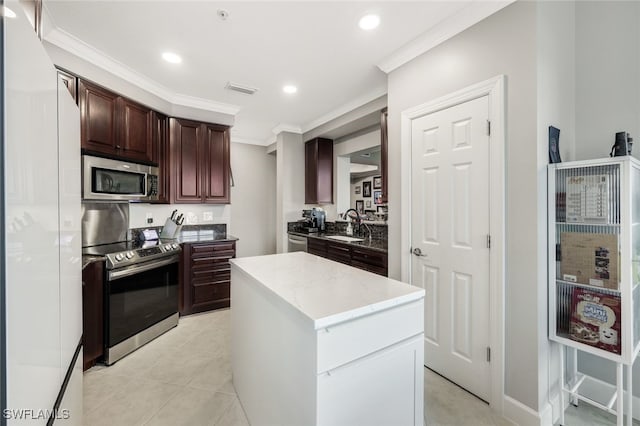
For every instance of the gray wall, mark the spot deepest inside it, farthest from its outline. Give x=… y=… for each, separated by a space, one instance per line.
x=504 y=43
x=607 y=101
x=253 y=200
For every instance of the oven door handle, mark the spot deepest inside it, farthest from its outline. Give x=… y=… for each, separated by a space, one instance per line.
x=132 y=270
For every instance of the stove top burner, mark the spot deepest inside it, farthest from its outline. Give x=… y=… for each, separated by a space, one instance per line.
x=125 y=253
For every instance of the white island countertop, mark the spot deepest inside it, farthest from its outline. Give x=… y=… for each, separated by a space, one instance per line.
x=324 y=291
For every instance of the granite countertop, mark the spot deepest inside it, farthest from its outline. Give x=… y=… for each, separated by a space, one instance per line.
x=325 y=292
x=374 y=244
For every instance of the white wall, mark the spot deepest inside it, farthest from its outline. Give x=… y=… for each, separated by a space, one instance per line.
x=504 y=43
x=556 y=107
x=607 y=101
x=253 y=200
x=289 y=184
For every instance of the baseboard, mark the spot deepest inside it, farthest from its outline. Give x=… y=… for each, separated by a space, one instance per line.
x=522 y=415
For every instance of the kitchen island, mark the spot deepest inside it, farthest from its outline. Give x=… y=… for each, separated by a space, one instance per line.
x=315 y=342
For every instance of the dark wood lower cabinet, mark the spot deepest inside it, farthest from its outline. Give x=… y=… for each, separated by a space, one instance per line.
x=359 y=257
x=92 y=314
x=206 y=276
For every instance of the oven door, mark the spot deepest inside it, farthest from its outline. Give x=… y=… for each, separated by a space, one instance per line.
x=137 y=299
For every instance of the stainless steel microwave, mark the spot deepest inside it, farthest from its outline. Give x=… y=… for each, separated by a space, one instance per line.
x=105 y=179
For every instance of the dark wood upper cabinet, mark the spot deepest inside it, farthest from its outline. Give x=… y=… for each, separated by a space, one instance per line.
x=97 y=118
x=318 y=171
x=384 y=152
x=216 y=168
x=114 y=126
x=136 y=130
x=199 y=162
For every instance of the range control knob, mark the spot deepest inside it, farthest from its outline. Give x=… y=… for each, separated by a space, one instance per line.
x=119 y=257
x=129 y=254
x=167 y=247
x=175 y=246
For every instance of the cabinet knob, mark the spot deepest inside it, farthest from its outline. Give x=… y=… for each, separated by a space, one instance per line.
x=117 y=146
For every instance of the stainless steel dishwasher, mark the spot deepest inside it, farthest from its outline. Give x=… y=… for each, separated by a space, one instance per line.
x=297 y=243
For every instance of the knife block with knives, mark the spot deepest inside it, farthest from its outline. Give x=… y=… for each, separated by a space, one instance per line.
x=172 y=226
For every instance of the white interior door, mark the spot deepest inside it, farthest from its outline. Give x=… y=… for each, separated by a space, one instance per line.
x=450 y=228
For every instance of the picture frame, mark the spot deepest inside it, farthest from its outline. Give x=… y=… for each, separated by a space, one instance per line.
x=367 y=204
x=377 y=182
x=366 y=189
x=360 y=206
x=381 y=209
x=357 y=190
x=377 y=197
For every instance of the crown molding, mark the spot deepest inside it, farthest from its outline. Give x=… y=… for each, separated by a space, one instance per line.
x=79 y=48
x=248 y=141
x=346 y=108
x=282 y=127
x=443 y=31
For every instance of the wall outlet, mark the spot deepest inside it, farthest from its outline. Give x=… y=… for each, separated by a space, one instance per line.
x=191 y=218
x=149 y=217
x=207 y=216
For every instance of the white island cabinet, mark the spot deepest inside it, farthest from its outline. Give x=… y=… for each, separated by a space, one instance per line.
x=315 y=342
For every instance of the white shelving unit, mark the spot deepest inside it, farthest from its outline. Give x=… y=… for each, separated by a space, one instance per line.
x=594 y=272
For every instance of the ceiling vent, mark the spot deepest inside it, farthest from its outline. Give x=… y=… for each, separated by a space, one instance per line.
x=247 y=90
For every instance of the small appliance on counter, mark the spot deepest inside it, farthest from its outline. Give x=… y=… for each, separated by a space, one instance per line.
x=313 y=221
x=172 y=226
x=622 y=145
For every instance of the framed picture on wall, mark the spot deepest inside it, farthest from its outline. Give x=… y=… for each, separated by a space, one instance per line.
x=366 y=189
x=377 y=182
x=377 y=197
x=367 y=204
x=357 y=190
x=360 y=206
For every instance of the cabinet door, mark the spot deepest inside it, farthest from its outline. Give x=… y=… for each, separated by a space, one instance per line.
x=186 y=161
x=136 y=131
x=160 y=153
x=310 y=172
x=318 y=175
x=216 y=167
x=97 y=118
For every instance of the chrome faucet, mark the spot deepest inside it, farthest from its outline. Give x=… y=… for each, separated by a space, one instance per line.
x=357 y=218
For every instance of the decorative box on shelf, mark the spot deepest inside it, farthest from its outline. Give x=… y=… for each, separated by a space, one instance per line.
x=594 y=251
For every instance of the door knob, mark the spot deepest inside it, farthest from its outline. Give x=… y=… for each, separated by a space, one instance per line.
x=418 y=252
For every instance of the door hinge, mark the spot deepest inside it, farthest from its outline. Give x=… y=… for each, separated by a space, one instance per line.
x=488 y=128
x=488 y=354
x=488 y=241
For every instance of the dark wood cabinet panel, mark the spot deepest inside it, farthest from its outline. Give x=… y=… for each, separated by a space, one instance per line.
x=71 y=81
x=160 y=154
x=136 y=131
x=200 y=162
x=319 y=171
x=92 y=314
x=114 y=126
x=186 y=161
x=357 y=256
x=216 y=173
x=97 y=118
x=206 y=276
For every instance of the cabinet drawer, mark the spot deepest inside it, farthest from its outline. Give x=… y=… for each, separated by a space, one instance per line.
x=380 y=270
x=208 y=293
x=200 y=263
x=199 y=278
x=372 y=257
x=205 y=249
x=347 y=341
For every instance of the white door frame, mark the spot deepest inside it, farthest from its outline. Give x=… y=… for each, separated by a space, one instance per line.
x=494 y=88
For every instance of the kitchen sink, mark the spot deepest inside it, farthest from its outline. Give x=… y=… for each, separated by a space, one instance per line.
x=345 y=239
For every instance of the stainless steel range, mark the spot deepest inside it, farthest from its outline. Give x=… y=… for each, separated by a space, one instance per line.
x=141 y=280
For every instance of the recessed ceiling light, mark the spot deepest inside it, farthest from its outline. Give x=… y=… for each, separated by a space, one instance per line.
x=7 y=13
x=171 y=57
x=290 y=89
x=369 y=22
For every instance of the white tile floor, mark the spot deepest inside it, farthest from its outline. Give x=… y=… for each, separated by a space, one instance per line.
x=184 y=378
